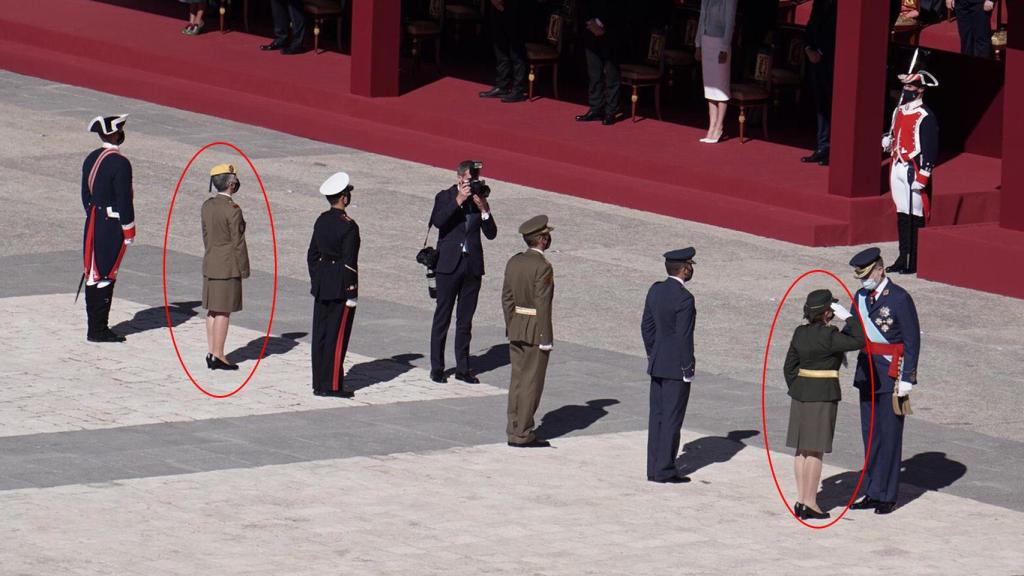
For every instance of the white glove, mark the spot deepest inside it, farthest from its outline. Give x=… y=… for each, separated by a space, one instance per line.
x=903 y=388
x=917 y=186
x=128 y=241
x=352 y=302
x=546 y=347
x=840 y=311
x=687 y=380
x=887 y=142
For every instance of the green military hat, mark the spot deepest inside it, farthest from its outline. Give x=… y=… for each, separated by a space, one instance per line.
x=535 y=225
x=817 y=301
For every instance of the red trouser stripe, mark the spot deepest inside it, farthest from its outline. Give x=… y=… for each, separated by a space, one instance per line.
x=117 y=263
x=337 y=349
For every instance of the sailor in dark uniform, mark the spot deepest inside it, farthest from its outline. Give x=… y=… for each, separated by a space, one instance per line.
x=893 y=332
x=667 y=329
x=914 y=146
x=109 y=223
x=334 y=273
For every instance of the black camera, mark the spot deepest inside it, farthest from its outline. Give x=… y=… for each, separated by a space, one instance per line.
x=476 y=185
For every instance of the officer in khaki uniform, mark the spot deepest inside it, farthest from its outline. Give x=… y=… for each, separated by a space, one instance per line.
x=526 y=302
x=225 y=262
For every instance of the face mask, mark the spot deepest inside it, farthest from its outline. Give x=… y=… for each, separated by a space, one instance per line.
x=910 y=96
x=869 y=284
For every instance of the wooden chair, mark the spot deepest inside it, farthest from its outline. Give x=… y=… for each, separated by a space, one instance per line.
x=682 y=58
x=426 y=29
x=908 y=25
x=650 y=75
x=321 y=9
x=790 y=75
x=540 y=55
x=999 y=35
x=754 y=93
x=461 y=14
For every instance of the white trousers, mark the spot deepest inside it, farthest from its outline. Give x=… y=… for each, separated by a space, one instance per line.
x=901 y=178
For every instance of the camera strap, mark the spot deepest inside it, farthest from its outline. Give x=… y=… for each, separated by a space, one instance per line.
x=425 y=238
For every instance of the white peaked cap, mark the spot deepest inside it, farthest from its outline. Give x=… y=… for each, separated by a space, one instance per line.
x=335 y=184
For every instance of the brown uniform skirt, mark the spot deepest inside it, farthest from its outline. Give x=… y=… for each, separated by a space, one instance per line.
x=812 y=425
x=222 y=295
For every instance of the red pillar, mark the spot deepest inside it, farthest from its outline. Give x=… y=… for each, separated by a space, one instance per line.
x=1011 y=209
x=376 y=36
x=862 y=42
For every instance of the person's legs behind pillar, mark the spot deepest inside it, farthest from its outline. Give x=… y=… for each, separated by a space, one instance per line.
x=502 y=57
x=298 y=20
x=595 y=85
x=613 y=83
x=513 y=23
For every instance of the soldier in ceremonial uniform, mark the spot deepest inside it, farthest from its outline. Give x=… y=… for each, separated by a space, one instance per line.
x=667 y=329
x=526 y=297
x=333 y=257
x=914 y=146
x=892 y=329
x=107 y=197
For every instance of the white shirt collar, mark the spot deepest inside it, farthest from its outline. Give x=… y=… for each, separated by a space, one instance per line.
x=224 y=194
x=537 y=250
x=878 y=290
x=678 y=279
x=913 y=105
x=110 y=146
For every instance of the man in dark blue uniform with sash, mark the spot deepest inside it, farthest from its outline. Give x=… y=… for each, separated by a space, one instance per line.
x=107 y=197
x=667 y=329
x=894 y=334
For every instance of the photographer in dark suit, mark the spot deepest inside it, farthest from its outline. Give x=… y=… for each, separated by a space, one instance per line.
x=459 y=214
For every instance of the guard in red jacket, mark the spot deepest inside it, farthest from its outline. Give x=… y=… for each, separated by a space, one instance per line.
x=914 y=146
x=109 y=222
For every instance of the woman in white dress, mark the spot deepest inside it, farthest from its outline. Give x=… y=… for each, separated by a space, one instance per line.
x=714 y=46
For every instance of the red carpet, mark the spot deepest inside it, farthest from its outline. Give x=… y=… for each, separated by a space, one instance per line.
x=758 y=187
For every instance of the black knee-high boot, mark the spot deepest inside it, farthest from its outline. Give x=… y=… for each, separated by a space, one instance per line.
x=914 y=224
x=91 y=297
x=900 y=265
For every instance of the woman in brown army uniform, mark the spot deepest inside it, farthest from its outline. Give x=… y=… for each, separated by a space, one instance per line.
x=225 y=262
x=812 y=375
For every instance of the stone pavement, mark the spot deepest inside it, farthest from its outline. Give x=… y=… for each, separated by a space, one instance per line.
x=112 y=462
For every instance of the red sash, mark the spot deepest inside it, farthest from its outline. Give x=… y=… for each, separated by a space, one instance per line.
x=894 y=350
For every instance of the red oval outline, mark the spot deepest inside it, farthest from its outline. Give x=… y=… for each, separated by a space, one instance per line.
x=273 y=239
x=764 y=418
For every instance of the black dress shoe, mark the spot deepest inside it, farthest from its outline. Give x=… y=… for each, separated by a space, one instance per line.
x=673 y=480
x=105 y=335
x=798 y=509
x=865 y=503
x=438 y=376
x=895 y=269
x=219 y=364
x=209 y=361
x=812 y=514
x=885 y=507
x=608 y=120
x=535 y=443
x=339 y=394
x=495 y=92
x=291 y=50
x=275 y=45
x=517 y=96
x=814 y=158
x=468 y=377
x=590 y=116
x=823 y=161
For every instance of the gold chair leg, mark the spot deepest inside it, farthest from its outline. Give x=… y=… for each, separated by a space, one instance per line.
x=743 y=122
x=634 y=98
x=222 y=10
x=316 y=35
x=532 y=77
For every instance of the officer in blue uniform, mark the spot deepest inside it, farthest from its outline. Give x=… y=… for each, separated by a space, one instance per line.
x=892 y=329
x=333 y=259
x=107 y=198
x=667 y=328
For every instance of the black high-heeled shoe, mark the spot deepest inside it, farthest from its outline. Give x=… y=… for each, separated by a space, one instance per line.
x=209 y=361
x=812 y=514
x=219 y=364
